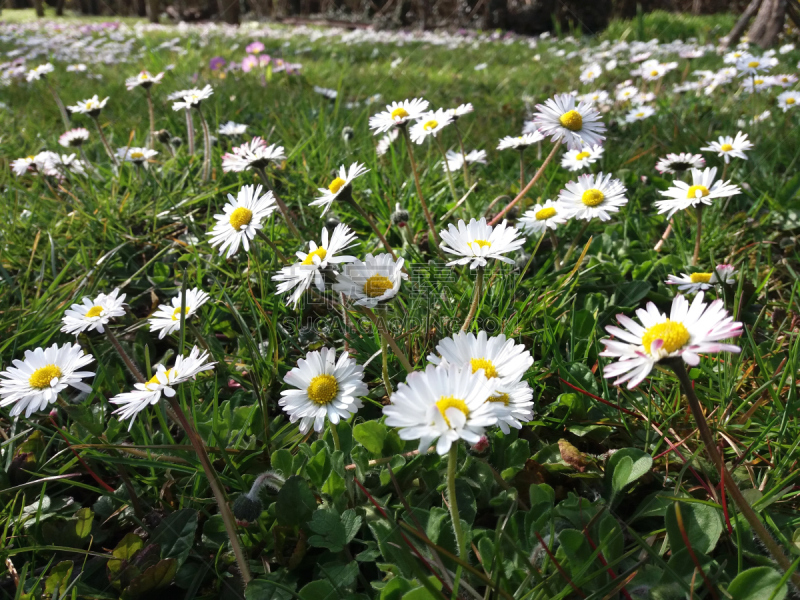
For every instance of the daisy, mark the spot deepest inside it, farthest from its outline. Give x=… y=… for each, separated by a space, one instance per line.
x=149 y=393
x=757 y=84
x=20 y=166
x=93 y=314
x=699 y=282
x=460 y=111
x=328 y=93
x=575 y=160
x=232 y=129
x=74 y=137
x=503 y=361
x=386 y=141
x=679 y=163
x=143 y=79
x=640 y=113
x=688 y=331
x=520 y=142
x=728 y=147
x=398 y=114
x=577 y=125
x=375 y=280
x=597 y=97
x=193 y=98
x=340 y=186
x=254 y=154
x=784 y=81
x=168 y=318
x=91 y=107
x=513 y=406
x=788 y=100
x=455 y=160
x=591 y=73
x=542 y=217
x=325 y=387
x=39 y=72
x=477 y=242
x=652 y=71
x=298 y=277
x=33 y=383
x=626 y=93
x=241 y=219
x=137 y=156
x=445 y=403
x=750 y=65
x=429 y=123
x=592 y=196
x=703 y=190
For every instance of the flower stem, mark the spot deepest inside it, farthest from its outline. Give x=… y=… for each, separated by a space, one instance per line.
x=152 y=115
x=106 y=145
x=524 y=190
x=476 y=298
x=428 y=217
x=365 y=215
x=664 y=237
x=337 y=445
x=61 y=108
x=216 y=488
x=281 y=205
x=384 y=331
x=190 y=131
x=696 y=254
x=452 y=459
x=124 y=356
x=554 y=242
x=206 y=145
x=447 y=170
x=387 y=382
x=464 y=165
x=574 y=243
x=521 y=168
x=727 y=479
x=272 y=245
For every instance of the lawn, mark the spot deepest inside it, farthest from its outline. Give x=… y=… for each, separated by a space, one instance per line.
x=515 y=469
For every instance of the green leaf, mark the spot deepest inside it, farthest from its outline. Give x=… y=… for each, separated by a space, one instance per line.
x=156 y=577
x=283 y=461
x=318 y=590
x=395 y=589
x=702 y=525
x=124 y=552
x=611 y=540
x=175 y=535
x=758 y=583
x=58 y=579
x=319 y=467
x=371 y=435
x=264 y=589
x=330 y=531
x=295 y=503
x=352 y=524
x=625 y=467
x=83 y=526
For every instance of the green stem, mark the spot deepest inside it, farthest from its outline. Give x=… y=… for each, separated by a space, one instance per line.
x=387 y=383
x=106 y=145
x=335 y=434
x=464 y=165
x=554 y=242
x=428 y=218
x=124 y=356
x=452 y=459
x=206 y=145
x=575 y=241
x=696 y=254
x=447 y=170
x=61 y=108
x=384 y=331
x=371 y=223
x=152 y=114
x=190 y=131
x=476 y=298
x=272 y=245
x=281 y=205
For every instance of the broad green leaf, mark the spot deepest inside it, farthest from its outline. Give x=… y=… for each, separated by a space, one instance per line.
x=295 y=503
x=702 y=525
x=758 y=583
x=624 y=468
x=83 y=526
x=175 y=534
x=58 y=578
x=371 y=435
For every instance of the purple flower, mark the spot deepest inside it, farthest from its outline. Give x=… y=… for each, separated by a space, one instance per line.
x=264 y=60
x=217 y=63
x=249 y=63
x=254 y=48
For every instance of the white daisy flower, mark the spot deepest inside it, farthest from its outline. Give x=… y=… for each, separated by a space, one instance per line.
x=728 y=147
x=460 y=111
x=477 y=242
x=241 y=219
x=750 y=65
x=788 y=100
x=679 y=163
x=784 y=81
x=640 y=113
x=327 y=92
x=626 y=93
x=688 y=331
x=703 y=190
x=77 y=68
x=340 y=186
x=149 y=393
x=386 y=141
x=168 y=318
x=651 y=71
x=590 y=73
x=504 y=362
x=21 y=166
x=429 y=123
x=299 y=276
x=232 y=129
x=137 y=156
x=513 y=406
x=445 y=403
x=371 y=282
x=193 y=98
x=93 y=315
x=455 y=160
x=786 y=48
x=254 y=154
x=91 y=107
x=325 y=388
x=542 y=217
x=520 y=142
x=398 y=113
x=39 y=72
x=757 y=84
x=699 y=282
x=74 y=137
x=598 y=97
x=33 y=383
x=143 y=79
x=575 y=160
x=576 y=125
x=592 y=196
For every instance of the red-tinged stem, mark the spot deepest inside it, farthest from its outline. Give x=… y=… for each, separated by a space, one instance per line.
x=85 y=465
x=559 y=567
x=602 y=559
x=692 y=555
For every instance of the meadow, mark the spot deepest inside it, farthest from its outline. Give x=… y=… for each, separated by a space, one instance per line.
x=478 y=442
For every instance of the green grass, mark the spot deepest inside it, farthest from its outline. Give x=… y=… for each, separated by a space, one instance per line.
x=555 y=482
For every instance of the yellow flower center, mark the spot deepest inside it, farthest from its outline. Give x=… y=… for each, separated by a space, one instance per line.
x=399 y=113
x=309 y=260
x=137 y=155
x=483 y=363
x=446 y=402
x=31 y=157
x=653 y=73
x=42 y=377
x=726 y=147
x=241 y=216
x=790 y=101
x=322 y=389
x=176 y=314
x=758 y=81
x=377 y=285
x=581 y=155
x=94 y=312
x=336 y=185
x=154 y=379
x=752 y=64
x=692 y=193
x=672 y=333
x=482 y=243
x=700 y=277
x=432 y=124
x=592 y=197
x=500 y=398
x=572 y=120
x=545 y=213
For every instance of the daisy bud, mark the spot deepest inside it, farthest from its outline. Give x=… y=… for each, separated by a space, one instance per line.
x=163 y=136
x=347 y=134
x=176 y=142
x=331 y=222
x=247 y=509
x=481 y=446
x=399 y=216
